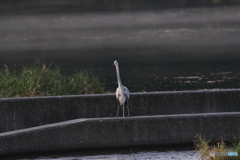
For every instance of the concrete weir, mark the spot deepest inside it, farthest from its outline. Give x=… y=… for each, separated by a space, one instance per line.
x=80 y=122
x=121 y=132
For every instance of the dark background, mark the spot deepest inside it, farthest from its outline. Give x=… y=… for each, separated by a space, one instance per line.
x=46 y=6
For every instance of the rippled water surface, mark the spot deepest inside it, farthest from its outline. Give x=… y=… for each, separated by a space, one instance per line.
x=178 y=77
x=143 y=155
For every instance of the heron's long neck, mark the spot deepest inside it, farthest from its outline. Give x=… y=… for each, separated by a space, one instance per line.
x=118 y=77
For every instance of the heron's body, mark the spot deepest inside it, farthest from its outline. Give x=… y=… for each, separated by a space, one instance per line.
x=122 y=93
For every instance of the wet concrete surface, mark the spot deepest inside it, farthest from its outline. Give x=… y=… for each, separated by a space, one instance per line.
x=174 y=49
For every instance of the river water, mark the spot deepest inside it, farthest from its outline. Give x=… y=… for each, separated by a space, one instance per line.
x=165 y=50
x=184 y=154
x=177 y=77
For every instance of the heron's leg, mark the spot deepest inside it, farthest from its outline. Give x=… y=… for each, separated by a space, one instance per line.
x=118 y=109
x=128 y=109
x=123 y=109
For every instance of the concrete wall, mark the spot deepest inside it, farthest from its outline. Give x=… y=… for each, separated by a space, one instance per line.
x=121 y=132
x=20 y=113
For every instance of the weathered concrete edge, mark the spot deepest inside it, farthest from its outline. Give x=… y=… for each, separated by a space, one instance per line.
x=121 y=132
x=113 y=94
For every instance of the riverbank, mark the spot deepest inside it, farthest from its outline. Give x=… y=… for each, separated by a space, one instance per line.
x=21 y=113
x=90 y=133
x=87 y=121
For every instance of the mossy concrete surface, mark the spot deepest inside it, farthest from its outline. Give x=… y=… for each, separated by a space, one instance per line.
x=120 y=132
x=20 y=113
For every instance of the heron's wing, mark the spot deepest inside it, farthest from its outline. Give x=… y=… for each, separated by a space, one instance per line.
x=126 y=92
x=118 y=93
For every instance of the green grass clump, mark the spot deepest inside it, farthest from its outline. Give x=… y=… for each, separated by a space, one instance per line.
x=40 y=79
x=205 y=147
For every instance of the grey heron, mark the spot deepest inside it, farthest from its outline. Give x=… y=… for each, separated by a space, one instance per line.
x=122 y=92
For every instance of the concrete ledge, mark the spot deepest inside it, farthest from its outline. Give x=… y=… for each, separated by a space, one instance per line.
x=120 y=132
x=20 y=113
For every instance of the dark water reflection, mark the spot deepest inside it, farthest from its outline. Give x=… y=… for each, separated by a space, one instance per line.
x=176 y=77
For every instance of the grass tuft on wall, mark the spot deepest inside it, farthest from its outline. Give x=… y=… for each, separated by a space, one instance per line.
x=40 y=79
